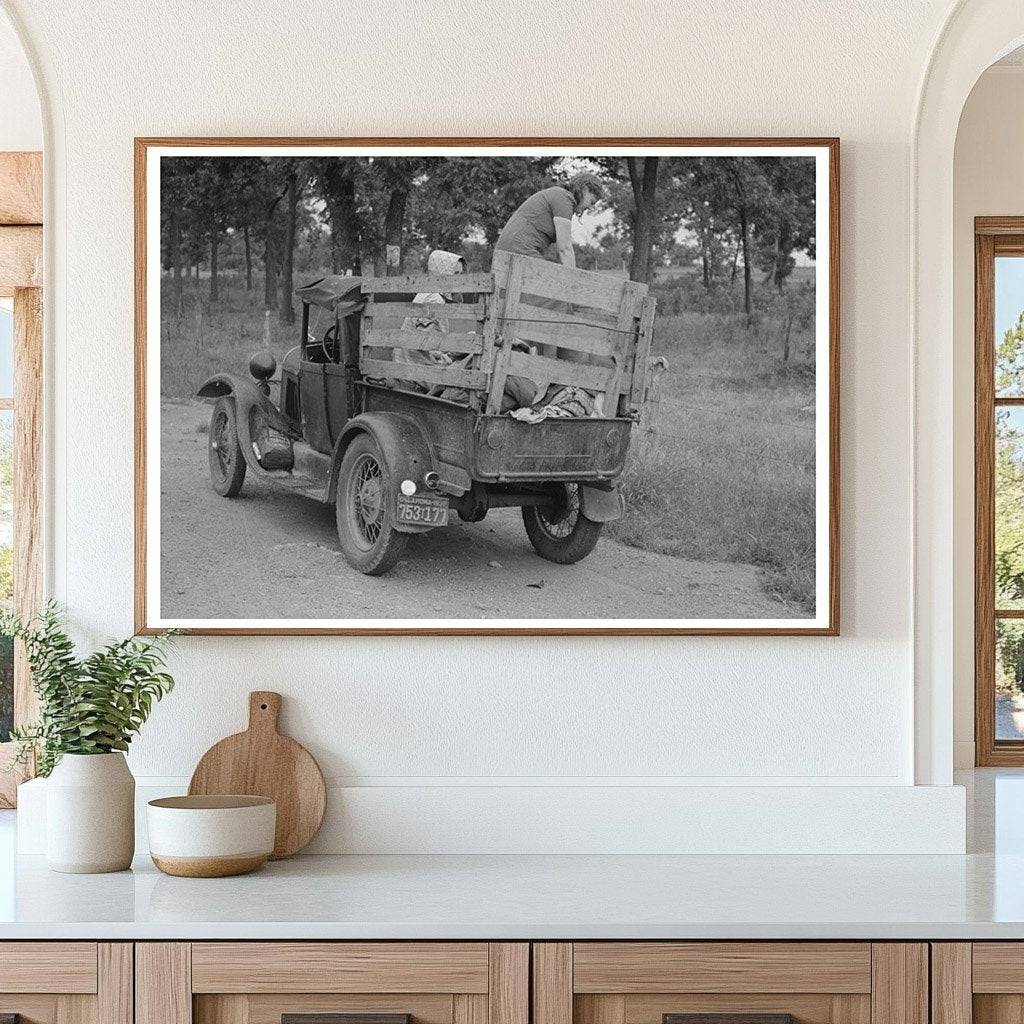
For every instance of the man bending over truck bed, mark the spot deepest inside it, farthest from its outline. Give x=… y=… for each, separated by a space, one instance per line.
x=546 y=217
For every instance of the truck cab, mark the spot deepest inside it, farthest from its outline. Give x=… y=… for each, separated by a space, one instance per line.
x=317 y=377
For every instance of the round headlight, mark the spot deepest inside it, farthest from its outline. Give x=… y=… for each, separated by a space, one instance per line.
x=408 y=487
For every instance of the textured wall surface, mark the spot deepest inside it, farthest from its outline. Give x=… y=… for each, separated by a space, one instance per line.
x=21 y=124
x=432 y=711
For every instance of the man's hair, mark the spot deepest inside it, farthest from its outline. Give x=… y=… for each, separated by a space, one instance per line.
x=585 y=180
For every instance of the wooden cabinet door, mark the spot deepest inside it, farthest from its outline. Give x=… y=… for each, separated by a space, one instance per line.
x=303 y=982
x=977 y=983
x=66 y=982
x=732 y=982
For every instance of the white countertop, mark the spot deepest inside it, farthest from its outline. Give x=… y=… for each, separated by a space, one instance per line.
x=531 y=897
x=978 y=896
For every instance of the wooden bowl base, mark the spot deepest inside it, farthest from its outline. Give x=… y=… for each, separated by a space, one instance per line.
x=209 y=867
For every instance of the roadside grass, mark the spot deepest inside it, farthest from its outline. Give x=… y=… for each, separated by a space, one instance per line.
x=218 y=337
x=728 y=472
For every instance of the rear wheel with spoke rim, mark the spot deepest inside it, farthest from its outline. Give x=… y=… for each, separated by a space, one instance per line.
x=227 y=462
x=368 y=539
x=559 y=531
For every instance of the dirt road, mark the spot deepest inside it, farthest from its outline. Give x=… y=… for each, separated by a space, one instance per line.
x=271 y=554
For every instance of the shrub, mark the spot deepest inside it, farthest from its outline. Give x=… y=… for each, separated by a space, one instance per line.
x=91 y=705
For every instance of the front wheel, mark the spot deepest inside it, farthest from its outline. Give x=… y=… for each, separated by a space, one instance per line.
x=227 y=462
x=368 y=540
x=559 y=531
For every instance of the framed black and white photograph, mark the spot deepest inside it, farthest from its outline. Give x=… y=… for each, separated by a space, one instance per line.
x=487 y=386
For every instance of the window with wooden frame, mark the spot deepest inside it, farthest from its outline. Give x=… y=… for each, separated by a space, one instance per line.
x=999 y=491
x=21 y=365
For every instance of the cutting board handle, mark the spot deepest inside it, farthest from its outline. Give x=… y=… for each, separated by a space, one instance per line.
x=264 y=710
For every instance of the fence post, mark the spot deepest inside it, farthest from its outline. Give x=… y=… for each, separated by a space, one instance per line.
x=656 y=366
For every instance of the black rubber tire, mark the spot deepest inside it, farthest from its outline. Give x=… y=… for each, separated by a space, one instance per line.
x=368 y=540
x=227 y=462
x=560 y=532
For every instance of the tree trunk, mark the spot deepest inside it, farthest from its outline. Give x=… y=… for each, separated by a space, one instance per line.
x=783 y=245
x=742 y=212
x=787 y=336
x=337 y=180
x=286 y=309
x=175 y=255
x=394 y=222
x=345 y=226
x=248 y=258
x=643 y=176
x=748 y=270
x=269 y=269
x=706 y=270
x=214 y=246
x=335 y=256
x=270 y=253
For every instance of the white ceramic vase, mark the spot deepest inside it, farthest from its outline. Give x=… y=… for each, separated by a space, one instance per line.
x=90 y=814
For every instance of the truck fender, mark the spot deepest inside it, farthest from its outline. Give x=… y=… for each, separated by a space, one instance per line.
x=406 y=450
x=601 y=506
x=247 y=396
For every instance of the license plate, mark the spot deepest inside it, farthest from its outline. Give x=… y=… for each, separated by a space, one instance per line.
x=422 y=510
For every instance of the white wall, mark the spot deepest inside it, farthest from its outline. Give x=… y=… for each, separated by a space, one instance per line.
x=21 y=124
x=446 y=713
x=988 y=181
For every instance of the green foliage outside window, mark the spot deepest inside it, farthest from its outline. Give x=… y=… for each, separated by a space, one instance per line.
x=1009 y=474
x=1009 y=510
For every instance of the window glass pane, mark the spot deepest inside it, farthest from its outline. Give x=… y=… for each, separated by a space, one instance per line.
x=1009 y=679
x=6 y=349
x=6 y=567
x=1009 y=534
x=1009 y=326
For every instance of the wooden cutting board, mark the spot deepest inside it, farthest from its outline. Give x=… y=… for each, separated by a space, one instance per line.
x=262 y=762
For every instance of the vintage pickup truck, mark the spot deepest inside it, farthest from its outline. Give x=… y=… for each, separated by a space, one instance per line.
x=356 y=427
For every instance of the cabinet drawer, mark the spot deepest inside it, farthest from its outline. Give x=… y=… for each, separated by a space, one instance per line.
x=340 y=967
x=630 y=967
x=998 y=967
x=733 y=982
x=263 y=982
x=66 y=982
x=48 y=967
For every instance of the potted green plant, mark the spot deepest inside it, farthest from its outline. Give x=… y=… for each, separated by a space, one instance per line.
x=89 y=710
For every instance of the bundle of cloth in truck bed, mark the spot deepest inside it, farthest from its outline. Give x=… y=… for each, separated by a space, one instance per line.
x=523 y=398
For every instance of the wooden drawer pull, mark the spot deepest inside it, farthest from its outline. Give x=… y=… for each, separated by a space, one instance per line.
x=338 y=1018
x=728 y=1018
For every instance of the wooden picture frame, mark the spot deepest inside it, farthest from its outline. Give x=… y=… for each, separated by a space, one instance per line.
x=21 y=272
x=826 y=619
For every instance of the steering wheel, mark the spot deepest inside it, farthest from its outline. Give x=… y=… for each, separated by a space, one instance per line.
x=329 y=344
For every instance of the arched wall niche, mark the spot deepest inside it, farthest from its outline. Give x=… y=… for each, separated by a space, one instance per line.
x=975 y=34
